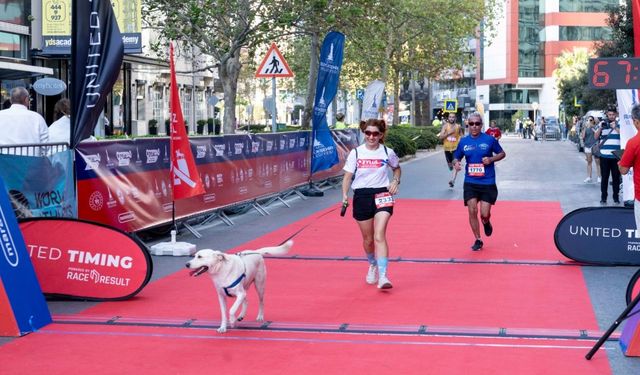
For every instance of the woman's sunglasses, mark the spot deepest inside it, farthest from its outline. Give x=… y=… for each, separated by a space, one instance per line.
x=370 y=133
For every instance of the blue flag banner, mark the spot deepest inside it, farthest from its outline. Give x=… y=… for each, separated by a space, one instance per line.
x=23 y=308
x=324 y=153
x=96 y=56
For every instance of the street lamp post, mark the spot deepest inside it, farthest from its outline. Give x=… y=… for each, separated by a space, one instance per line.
x=535 y=107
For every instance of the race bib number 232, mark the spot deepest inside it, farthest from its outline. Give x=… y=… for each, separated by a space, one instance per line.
x=383 y=200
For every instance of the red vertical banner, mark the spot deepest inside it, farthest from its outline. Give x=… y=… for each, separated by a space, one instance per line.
x=185 y=179
x=635 y=9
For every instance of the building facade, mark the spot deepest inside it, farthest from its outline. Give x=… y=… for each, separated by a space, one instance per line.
x=515 y=70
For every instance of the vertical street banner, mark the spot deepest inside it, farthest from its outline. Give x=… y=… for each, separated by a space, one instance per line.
x=626 y=100
x=324 y=153
x=96 y=55
x=372 y=100
x=635 y=9
x=185 y=179
x=23 y=308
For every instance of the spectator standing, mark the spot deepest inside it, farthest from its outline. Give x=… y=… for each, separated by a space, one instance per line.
x=60 y=130
x=494 y=130
x=20 y=125
x=543 y=128
x=609 y=132
x=340 y=121
x=588 y=138
x=631 y=159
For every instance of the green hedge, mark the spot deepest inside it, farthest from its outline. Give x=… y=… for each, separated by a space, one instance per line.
x=400 y=142
x=419 y=138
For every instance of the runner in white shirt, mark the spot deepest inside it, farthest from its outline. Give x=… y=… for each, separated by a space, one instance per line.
x=19 y=125
x=373 y=195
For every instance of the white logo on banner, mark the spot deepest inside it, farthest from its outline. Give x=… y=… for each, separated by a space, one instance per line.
x=6 y=241
x=124 y=158
x=152 y=155
x=93 y=162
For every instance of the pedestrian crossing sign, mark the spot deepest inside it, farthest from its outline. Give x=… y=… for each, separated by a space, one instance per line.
x=450 y=105
x=273 y=65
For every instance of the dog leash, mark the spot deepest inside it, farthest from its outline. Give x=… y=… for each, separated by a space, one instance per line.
x=305 y=227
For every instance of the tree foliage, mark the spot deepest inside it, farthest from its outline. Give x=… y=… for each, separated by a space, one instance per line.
x=572 y=75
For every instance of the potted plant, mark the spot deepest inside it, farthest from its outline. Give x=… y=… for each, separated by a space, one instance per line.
x=218 y=126
x=167 y=126
x=153 y=127
x=210 y=125
x=201 y=124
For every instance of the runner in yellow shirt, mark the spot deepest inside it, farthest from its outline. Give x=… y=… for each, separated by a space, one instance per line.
x=450 y=137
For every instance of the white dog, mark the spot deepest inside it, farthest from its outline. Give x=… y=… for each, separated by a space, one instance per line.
x=232 y=274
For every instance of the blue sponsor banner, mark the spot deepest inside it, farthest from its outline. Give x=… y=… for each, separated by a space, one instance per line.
x=324 y=152
x=21 y=287
x=40 y=186
x=599 y=235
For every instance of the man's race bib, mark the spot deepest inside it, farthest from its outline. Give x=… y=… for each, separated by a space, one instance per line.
x=476 y=169
x=383 y=200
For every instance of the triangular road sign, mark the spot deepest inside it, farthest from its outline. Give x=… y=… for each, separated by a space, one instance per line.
x=273 y=65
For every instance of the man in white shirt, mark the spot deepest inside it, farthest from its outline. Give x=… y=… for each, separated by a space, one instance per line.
x=19 y=125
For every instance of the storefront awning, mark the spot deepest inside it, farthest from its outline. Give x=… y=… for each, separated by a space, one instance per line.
x=10 y=71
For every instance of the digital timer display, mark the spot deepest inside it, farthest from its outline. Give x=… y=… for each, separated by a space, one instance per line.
x=614 y=73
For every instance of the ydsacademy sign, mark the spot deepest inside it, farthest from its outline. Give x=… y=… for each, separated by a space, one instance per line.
x=23 y=308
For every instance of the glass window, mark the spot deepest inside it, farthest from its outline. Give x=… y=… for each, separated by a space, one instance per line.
x=530 y=47
x=587 y=5
x=158 y=105
x=13 y=11
x=574 y=33
x=509 y=94
x=13 y=45
x=186 y=106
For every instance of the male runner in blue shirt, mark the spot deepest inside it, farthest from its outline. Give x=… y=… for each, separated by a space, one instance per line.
x=480 y=151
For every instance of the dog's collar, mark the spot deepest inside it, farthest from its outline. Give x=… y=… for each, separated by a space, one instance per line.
x=238 y=280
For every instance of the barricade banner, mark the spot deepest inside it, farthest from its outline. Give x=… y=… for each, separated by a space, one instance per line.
x=599 y=235
x=40 y=186
x=102 y=264
x=23 y=308
x=125 y=184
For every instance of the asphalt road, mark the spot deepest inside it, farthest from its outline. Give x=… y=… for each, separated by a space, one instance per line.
x=532 y=171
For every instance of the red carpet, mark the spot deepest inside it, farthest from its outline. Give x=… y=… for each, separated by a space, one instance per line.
x=485 y=295
x=310 y=300
x=141 y=350
x=431 y=229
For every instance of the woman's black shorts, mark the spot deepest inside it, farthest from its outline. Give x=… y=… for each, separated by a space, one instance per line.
x=364 y=205
x=484 y=193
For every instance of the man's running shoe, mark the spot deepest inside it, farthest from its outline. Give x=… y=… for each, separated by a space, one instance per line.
x=372 y=274
x=384 y=283
x=477 y=245
x=451 y=183
x=488 y=228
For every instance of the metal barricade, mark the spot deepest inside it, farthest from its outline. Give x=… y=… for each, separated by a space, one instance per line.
x=34 y=149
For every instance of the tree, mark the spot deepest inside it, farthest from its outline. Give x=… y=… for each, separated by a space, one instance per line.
x=573 y=82
x=220 y=29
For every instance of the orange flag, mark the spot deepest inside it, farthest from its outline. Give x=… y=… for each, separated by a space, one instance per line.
x=186 y=180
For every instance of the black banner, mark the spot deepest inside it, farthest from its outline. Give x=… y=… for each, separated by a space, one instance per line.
x=96 y=55
x=599 y=235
